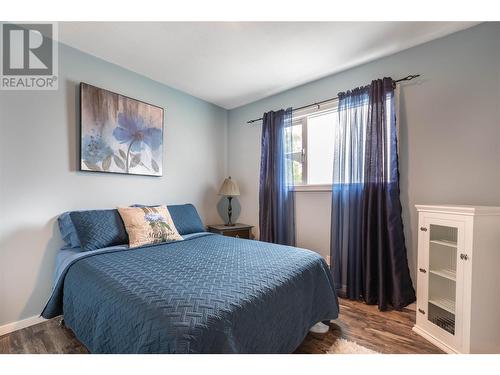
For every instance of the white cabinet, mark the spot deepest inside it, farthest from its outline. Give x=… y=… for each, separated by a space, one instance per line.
x=458 y=282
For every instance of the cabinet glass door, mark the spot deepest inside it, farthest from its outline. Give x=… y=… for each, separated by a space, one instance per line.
x=442 y=280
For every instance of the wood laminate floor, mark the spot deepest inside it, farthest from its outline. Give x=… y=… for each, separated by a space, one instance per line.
x=388 y=332
x=385 y=332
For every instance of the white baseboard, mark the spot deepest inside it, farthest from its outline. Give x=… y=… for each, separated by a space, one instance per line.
x=20 y=324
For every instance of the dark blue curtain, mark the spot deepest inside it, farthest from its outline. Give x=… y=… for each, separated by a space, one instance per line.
x=276 y=198
x=368 y=250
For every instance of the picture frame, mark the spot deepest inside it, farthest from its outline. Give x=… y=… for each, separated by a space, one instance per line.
x=119 y=134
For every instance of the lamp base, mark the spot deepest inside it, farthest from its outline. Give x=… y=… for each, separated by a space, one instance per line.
x=229 y=212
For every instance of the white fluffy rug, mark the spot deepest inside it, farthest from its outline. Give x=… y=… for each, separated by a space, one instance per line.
x=342 y=346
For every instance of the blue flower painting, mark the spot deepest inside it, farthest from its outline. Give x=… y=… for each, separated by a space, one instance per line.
x=119 y=134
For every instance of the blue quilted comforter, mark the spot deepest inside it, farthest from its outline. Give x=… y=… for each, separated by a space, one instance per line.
x=207 y=294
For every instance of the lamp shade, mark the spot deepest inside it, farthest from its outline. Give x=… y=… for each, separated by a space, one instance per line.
x=229 y=188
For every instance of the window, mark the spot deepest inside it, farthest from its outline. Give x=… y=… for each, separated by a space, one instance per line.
x=311 y=149
x=294 y=151
x=320 y=131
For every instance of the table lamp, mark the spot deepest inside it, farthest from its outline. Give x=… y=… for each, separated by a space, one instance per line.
x=229 y=189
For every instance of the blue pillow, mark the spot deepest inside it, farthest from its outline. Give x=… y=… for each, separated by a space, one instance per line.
x=185 y=217
x=68 y=231
x=99 y=228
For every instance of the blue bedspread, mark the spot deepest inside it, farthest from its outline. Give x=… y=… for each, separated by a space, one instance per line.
x=206 y=294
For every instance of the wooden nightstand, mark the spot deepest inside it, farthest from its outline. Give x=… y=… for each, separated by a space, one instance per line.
x=237 y=230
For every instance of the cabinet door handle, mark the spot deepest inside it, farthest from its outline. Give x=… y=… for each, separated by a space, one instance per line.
x=421 y=311
x=464 y=256
x=423 y=229
x=422 y=270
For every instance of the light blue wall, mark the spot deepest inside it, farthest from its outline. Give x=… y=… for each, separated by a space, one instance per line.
x=449 y=131
x=39 y=177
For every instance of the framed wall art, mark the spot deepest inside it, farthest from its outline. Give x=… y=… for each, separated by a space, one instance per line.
x=119 y=134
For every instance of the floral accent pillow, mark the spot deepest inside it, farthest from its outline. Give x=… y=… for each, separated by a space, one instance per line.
x=148 y=225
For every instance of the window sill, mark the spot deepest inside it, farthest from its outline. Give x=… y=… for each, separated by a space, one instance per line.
x=312 y=188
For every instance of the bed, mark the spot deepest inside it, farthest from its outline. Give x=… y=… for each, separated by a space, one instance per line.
x=205 y=294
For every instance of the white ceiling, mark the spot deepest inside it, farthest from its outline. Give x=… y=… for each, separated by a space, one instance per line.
x=234 y=63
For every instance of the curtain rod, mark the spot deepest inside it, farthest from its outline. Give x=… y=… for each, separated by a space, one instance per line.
x=407 y=78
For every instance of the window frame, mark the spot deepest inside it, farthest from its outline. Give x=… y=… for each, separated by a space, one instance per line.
x=300 y=118
x=303 y=152
x=328 y=107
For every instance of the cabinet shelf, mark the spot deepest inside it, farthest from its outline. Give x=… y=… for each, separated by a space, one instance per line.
x=444 y=243
x=444 y=303
x=447 y=274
